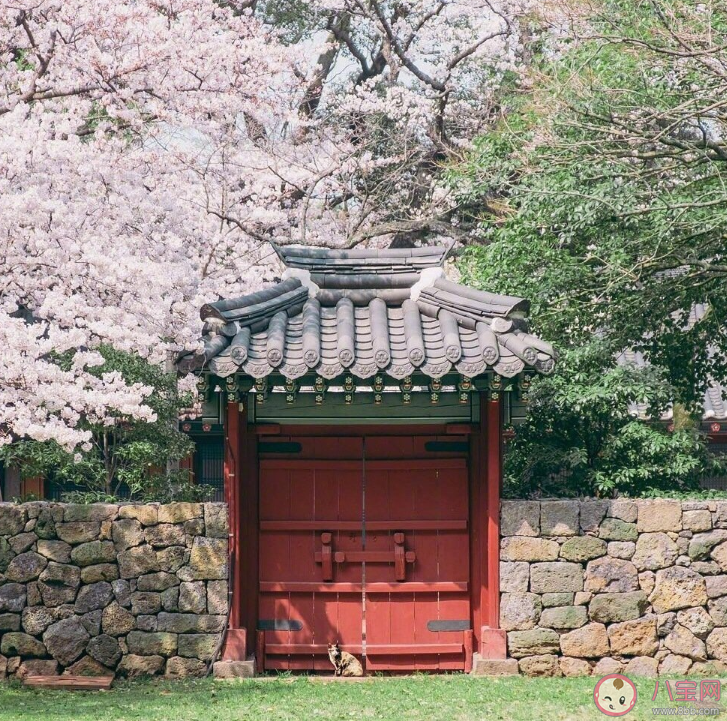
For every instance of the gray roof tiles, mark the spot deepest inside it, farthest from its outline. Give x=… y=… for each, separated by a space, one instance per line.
x=331 y=318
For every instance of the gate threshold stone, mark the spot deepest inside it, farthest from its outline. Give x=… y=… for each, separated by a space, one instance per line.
x=493 y=666
x=233 y=669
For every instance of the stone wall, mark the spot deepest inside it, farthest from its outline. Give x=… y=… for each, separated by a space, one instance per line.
x=597 y=587
x=100 y=589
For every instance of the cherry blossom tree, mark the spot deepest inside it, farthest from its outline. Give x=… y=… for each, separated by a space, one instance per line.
x=150 y=150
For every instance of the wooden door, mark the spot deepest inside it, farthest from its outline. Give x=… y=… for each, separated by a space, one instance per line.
x=308 y=508
x=371 y=553
x=417 y=611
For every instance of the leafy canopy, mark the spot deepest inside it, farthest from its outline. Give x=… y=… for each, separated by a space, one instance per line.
x=605 y=202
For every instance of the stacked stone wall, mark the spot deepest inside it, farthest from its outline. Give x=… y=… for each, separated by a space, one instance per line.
x=111 y=589
x=597 y=587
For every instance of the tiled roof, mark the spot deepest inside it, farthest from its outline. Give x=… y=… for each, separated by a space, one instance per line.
x=367 y=312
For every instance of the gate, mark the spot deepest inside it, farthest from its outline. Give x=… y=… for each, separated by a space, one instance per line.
x=368 y=552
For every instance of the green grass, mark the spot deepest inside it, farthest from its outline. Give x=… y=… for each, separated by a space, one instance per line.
x=434 y=698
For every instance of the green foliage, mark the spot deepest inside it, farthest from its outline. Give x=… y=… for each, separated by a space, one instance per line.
x=604 y=194
x=581 y=437
x=603 y=199
x=128 y=458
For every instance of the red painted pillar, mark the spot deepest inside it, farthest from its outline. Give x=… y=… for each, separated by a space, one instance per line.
x=232 y=458
x=493 y=639
x=494 y=480
x=241 y=495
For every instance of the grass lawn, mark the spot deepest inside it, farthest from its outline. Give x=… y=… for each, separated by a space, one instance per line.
x=435 y=698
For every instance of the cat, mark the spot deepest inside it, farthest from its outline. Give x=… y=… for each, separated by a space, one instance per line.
x=346 y=664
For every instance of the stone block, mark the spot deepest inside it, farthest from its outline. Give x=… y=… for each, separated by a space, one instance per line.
x=590 y=641
x=23 y=542
x=535 y=642
x=592 y=513
x=78 y=532
x=642 y=666
x=697 y=520
x=104 y=649
x=677 y=588
x=520 y=518
x=684 y=643
x=101 y=572
x=201 y=645
x=58 y=584
x=171 y=559
x=189 y=623
x=622 y=549
x=25 y=567
x=572 y=667
x=611 y=575
x=556 y=577
x=95 y=596
x=623 y=510
x=141 y=643
x=12 y=519
x=616 y=607
x=165 y=534
x=673 y=665
x=614 y=529
x=127 y=533
x=133 y=665
x=179 y=512
x=514 y=577
x=138 y=561
x=659 y=514
x=193 y=597
x=697 y=620
x=159 y=581
x=217 y=596
x=145 y=602
x=523 y=548
x=246 y=669
x=564 y=617
x=654 y=551
x=519 y=611
x=557 y=599
x=21 y=644
x=208 y=559
x=215 y=520
x=178 y=667
x=544 y=665
x=116 y=620
x=66 y=640
x=559 y=518
x=583 y=548
x=701 y=544
x=634 y=638
x=147 y=514
x=9 y=622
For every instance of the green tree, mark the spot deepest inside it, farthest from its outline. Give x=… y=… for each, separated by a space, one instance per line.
x=131 y=458
x=583 y=435
x=606 y=204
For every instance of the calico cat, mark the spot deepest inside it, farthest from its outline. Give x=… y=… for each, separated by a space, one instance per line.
x=346 y=664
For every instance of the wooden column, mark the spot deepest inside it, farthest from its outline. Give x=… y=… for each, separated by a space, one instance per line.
x=494 y=481
x=486 y=463
x=241 y=494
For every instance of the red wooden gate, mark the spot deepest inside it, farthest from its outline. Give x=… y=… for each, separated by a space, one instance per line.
x=371 y=553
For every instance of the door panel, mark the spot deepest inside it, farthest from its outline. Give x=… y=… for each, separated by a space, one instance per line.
x=299 y=502
x=434 y=495
x=365 y=552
